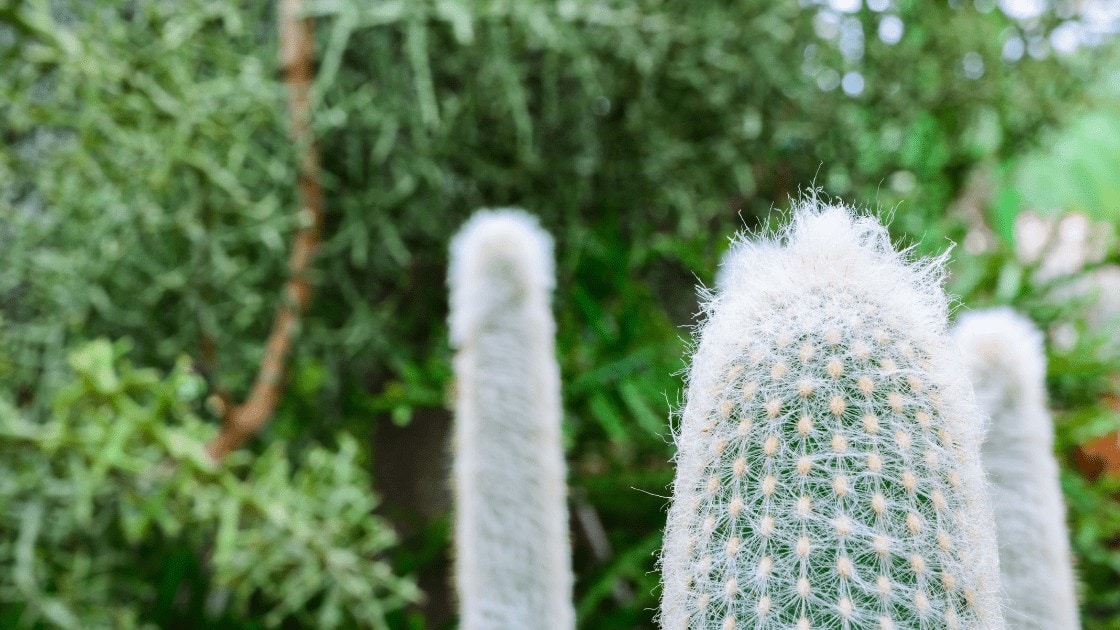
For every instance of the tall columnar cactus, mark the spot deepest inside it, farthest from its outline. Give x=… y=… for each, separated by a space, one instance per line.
x=1004 y=355
x=512 y=553
x=828 y=470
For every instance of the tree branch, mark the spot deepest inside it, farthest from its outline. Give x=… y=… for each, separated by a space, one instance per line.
x=297 y=51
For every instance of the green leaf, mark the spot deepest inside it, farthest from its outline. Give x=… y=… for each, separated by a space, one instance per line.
x=654 y=424
x=1004 y=213
x=225 y=542
x=607 y=414
x=94 y=362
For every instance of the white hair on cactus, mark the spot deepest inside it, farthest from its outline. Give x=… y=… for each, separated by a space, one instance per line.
x=828 y=469
x=1004 y=355
x=726 y=265
x=512 y=549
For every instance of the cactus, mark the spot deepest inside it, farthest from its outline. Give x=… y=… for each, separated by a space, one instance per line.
x=828 y=469
x=1005 y=360
x=513 y=564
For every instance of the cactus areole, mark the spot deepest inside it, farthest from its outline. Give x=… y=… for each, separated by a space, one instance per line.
x=828 y=469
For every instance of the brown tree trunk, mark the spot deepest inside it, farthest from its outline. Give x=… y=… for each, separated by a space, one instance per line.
x=241 y=421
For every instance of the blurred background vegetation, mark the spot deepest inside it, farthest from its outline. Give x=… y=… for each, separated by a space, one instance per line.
x=147 y=205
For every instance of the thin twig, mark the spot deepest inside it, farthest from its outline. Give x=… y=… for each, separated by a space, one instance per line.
x=592 y=525
x=297 y=51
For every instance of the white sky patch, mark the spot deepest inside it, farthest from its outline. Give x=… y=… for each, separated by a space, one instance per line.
x=852 y=84
x=891 y=29
x=1101 y=16
x=1014 y=48
x=1023 y=9
x=845 y=6
x=827 y=24
x=1066 y=37
x=851 y=39
x=878 y=5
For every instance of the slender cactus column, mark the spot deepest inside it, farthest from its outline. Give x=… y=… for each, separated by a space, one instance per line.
x=513 y=556
x=828 y=470
x=1005 y=359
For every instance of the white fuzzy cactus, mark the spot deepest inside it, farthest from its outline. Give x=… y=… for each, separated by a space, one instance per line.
x=1004 y=355
x=512 y=551
x=828 y=470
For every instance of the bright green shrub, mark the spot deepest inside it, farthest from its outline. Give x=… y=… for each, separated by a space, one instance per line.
x=108 y=501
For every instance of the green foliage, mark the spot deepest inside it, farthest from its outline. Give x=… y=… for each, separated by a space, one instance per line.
x=115 y=516
x=153 y=136
x=150 y=180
